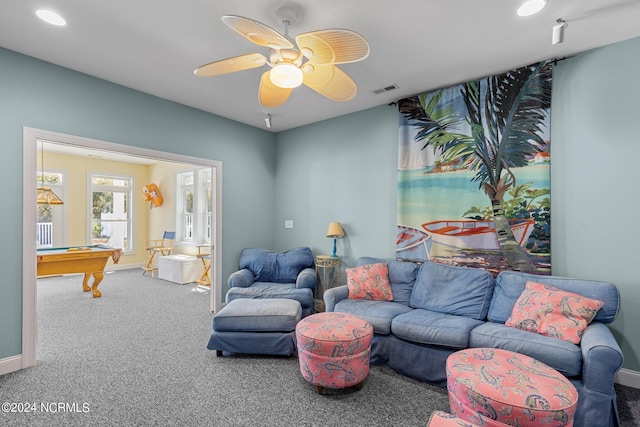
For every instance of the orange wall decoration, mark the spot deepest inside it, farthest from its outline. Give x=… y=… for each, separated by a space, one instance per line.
x=152 y=195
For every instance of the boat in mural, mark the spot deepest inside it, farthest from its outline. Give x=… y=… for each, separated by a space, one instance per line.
x=475 y=234
x=412 y=244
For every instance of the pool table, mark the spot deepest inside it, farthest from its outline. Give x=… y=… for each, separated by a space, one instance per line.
x=89 y=260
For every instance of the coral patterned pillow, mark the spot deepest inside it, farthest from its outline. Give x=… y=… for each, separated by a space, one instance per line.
x=369 y=281
x=550 y=311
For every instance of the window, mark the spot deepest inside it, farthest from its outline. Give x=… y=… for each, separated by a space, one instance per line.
x=206 y=197
x=194 y=213
x=50 y=218
x=110 y=211
x=186 y=226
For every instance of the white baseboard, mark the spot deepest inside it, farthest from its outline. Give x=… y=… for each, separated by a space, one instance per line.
x=628 y=378
x=10 y=364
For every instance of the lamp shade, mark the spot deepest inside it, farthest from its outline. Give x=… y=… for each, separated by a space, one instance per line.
x=335 y=230
x=45 y=196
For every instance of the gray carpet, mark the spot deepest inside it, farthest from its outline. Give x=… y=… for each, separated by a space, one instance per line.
x=628 y=405
x=137 y=357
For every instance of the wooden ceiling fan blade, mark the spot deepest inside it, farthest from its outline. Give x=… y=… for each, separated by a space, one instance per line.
x=334 y=46
x=231 y=65
x=330 y=81
x=271 y=95
x=257 y=32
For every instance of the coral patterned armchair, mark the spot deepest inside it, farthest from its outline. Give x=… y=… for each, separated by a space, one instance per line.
x=266 y=274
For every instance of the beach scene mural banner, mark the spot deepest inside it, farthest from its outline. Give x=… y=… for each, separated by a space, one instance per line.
x=474 y=173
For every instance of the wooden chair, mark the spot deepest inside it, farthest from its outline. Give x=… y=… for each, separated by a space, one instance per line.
x=204 y=280
x=163 y=246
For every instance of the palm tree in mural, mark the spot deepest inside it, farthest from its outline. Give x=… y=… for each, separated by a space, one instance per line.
x=505 y=116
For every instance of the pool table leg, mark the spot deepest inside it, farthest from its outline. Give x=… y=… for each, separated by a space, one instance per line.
x=97 y=278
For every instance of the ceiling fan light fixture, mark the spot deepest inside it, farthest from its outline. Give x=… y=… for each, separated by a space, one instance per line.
x=531 y=7
x=286 y=75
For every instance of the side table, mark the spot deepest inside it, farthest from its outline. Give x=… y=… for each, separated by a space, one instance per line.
x=326 y=279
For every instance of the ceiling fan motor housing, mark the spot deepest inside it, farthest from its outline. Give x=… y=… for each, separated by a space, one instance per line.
x=292 y=56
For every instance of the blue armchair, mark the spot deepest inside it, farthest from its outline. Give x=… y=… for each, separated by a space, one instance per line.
x=266 y=274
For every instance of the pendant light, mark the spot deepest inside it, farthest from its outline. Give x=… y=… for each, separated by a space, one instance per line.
x=44 y=195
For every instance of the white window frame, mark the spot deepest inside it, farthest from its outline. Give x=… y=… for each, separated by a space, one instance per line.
x=199 y=224
x=60 y=212
x=114 y=189
x=205 y=208
x=182 y=216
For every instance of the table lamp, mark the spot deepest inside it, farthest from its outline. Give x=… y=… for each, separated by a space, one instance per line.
x=335 y=230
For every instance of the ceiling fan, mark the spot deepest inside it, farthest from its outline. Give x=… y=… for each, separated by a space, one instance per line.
x=312 y=63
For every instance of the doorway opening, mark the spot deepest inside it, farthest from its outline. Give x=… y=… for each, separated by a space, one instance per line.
x=117 y=152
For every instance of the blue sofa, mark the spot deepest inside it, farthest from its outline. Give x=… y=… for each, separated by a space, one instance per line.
x=439 y=309
x=267 y=274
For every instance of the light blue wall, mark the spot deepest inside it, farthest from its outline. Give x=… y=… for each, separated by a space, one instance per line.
x=345 y=170
x=342 y=170
x=41 y=95
x=595 y=177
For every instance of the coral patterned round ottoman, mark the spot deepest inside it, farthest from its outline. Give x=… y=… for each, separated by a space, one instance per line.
x=495 y=387
x=333 y=349
x=442 y=419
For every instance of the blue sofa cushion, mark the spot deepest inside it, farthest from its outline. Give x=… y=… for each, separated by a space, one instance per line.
x=561 y=355
x=454 y=290
x=402 y=276
x=433 y=328
x=510 y=284
x=279 y=267
x=378 y=313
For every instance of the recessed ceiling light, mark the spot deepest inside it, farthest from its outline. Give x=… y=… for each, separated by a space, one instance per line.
x=51 y=17
x=531 y=7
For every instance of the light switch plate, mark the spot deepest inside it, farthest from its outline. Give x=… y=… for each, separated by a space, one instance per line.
x=288 y=223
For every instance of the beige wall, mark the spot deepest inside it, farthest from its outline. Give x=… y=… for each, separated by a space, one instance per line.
x=163 y=218
x=149 y=223
x=163 y=174
x=75 y=198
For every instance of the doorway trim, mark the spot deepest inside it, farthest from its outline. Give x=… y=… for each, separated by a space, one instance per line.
x=30 y=139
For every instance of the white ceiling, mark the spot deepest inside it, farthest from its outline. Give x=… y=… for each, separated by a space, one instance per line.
x=154 y=45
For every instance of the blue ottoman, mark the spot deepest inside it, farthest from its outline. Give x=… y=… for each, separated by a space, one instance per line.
x=256 y=326
x=268 y=290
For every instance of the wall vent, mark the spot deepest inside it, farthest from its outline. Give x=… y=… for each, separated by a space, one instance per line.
x=385 y=89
